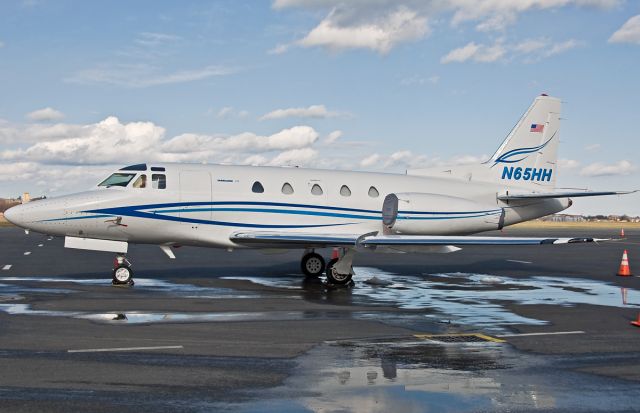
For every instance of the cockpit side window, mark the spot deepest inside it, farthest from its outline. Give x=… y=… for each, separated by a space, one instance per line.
x=117 y=179
x=141 y=182
x=158 y=181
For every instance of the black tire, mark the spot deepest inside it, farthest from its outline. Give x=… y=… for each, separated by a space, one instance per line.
x=123 y=274
x=312 y=264
x=334 y=278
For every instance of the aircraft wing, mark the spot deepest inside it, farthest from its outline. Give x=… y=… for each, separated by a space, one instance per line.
x=288 y=239
x=546 y=195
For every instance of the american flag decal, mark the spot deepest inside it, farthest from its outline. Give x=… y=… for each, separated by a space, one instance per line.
x=537 y=127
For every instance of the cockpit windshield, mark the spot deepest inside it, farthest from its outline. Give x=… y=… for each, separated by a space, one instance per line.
x=117 y=179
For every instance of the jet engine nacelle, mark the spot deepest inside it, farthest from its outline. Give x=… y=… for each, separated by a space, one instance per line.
x=415 y=213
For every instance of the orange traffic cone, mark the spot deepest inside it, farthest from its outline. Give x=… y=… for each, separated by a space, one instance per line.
x=335 y=254
x=637 y=322
x=622 y=233
x=625 y=270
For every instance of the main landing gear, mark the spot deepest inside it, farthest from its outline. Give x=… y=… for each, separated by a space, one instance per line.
x=339 y=270
x=122 y=272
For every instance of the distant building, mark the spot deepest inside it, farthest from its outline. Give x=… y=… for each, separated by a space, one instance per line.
x=563 y=218
x=25 y=197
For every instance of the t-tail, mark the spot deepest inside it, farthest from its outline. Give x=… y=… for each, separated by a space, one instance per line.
x=528 y=156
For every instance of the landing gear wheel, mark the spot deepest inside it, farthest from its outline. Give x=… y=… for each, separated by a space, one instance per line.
x=312 y=264
x=336 y=278
x=123 y=274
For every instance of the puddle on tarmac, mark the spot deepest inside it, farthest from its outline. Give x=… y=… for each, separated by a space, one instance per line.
x=148 y=284
x=149 y=317
x=424 y=377
x=474 y=298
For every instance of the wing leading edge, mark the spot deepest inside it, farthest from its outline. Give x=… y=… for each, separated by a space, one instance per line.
x=283 y=239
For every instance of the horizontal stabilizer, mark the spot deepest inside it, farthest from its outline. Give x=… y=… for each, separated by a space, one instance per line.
x=547 y=195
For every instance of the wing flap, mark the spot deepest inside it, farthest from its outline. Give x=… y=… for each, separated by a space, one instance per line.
x=298 y=240
x=389 y=240
x=508 y=196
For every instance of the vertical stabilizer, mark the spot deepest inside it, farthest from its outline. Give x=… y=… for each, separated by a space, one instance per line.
x=528 y=156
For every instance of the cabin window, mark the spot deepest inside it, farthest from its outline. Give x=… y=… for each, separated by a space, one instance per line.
x=345 y=191
x=257 y=187
x=141 y=182
x=117 y=179
x=158 y=181
x=316 y=189
x=373 y=192
x=287 y=189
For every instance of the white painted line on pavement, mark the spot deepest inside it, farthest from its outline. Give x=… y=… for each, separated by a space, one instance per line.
x=520 y=262
x=40 y=245
x=102 y=350
x=27 y=252
x=551 y=333
x=7 y=267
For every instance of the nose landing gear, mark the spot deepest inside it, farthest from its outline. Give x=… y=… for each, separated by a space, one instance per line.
x=122 y=272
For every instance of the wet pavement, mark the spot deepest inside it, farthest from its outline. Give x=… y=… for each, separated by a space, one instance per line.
x=213 y=331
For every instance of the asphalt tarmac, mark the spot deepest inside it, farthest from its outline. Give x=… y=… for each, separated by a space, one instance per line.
x=245 y=331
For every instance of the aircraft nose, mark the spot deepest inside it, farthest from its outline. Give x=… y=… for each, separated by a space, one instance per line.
x=15 y=215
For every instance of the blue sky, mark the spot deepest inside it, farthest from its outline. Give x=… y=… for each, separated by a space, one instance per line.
x=370 y=85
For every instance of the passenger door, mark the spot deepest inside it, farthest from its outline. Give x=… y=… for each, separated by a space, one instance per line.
x=195 y=192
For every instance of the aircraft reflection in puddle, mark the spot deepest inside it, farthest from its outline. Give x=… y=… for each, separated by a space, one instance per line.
x=145 y=284
x=143 y=317
x=474 y=298
x=424 y=377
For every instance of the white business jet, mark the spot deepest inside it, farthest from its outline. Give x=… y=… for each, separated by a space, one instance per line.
x=426 y=210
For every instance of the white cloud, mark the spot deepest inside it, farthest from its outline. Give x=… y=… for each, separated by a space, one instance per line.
x=568 y=163
x=108 y=141
x=530 y=45
x=592 y=147
x=333 y=136
x=380 y=34
x=225 y=112
x=229 y=112
x=144 y=75
x=279 y=49
x=313 y=111
x=562 y=47
x=45 y=115
x=294 y=157
x=623 y=167
x=370 y=160
x=628 y=33
x=531 y=50
x=247 y=142
x=475 y=52
x=381 y=25
x=495 y=15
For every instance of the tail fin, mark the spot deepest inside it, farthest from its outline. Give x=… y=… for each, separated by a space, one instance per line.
x=526 y=159
x=528 y=156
